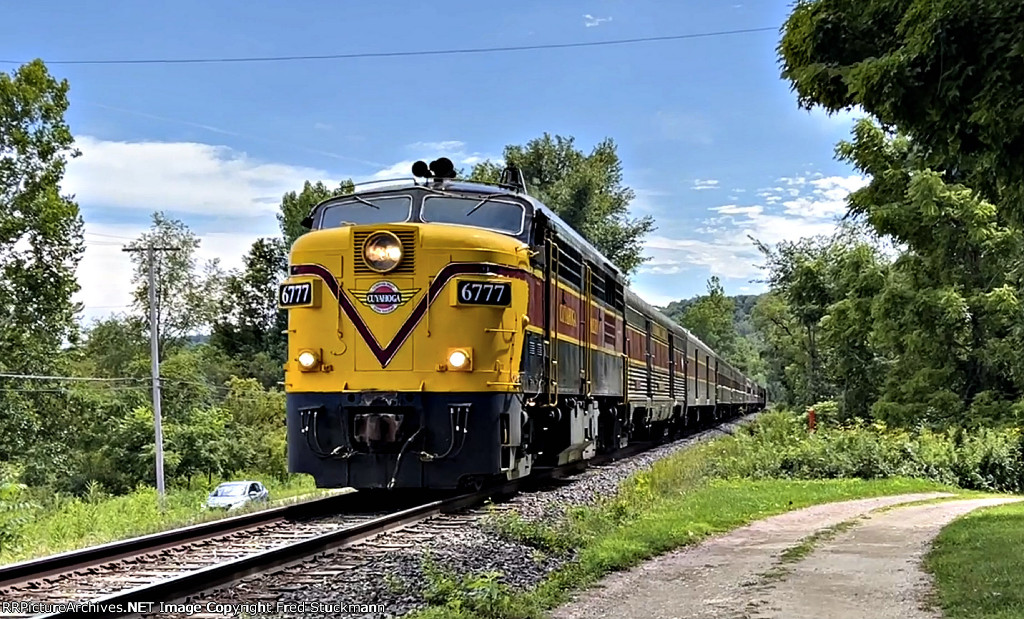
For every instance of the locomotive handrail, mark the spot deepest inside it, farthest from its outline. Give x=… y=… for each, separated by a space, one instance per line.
x=588 y=353
x=555 y=262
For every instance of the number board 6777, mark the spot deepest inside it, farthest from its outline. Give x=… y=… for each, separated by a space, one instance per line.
x=470 y=292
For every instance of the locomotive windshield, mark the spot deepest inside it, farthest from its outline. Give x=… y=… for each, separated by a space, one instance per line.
x=491 y=213
x=378 y=210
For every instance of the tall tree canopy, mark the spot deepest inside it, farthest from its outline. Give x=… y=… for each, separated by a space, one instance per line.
x=818 y=323
x=40 y=230
x=187 y=300
x=947 y=74
x=943 y=82
x=584 y=190
x=710 y=318
x=251 y=327
x=40 y=247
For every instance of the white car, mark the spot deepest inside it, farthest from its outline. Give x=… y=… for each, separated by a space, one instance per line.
x=235 y=494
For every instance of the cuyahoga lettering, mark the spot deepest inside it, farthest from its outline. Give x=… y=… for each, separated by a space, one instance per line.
x=383 y=298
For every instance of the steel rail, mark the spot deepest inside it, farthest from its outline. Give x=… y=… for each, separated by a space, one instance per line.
x=73 y=560
x=129 y=602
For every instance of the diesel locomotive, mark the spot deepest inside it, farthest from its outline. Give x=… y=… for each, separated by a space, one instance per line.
x=445 y=334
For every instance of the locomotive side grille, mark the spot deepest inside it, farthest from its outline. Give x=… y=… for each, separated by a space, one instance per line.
x=406 y=267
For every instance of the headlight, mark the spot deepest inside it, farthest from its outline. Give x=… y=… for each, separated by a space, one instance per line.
x=382 y=251
x=308 y=359
x=460 y=359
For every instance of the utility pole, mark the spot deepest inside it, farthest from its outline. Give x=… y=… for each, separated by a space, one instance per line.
x=154 y=352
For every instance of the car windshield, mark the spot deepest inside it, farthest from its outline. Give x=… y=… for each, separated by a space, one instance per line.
x=229 y=490
x=379 y=210
x=484 y=212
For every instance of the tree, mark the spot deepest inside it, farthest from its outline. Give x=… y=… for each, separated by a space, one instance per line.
x=944 y=82
x=710 y=318
x=40 y=246
x=187 y=301
x=113 y=346
x=296 y=206
x=40 y=230
x=784 y=353
x=200 y=444
x=947 y=75
x=584 y=190
x=251 y=327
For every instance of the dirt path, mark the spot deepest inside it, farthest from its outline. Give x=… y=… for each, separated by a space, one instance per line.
x=871 y=570
x=867 y=572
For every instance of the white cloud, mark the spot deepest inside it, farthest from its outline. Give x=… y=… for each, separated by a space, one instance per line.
x=590 y=21
x=654 y=295
x=701 y=185
x=442 y=146
x=827 y=197
x=726 y=249
x=189 y=179
x=185 y=177
x=105 y=272
x=732 y=209
x=428 y=151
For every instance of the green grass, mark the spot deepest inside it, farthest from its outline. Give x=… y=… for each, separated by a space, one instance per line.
x=670 y=506
x=978 y=564
x=809 y=543
x=64 y=523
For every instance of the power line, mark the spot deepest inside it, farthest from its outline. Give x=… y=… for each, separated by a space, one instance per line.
x=111 y=236
x=65 y=390
x=436 y=52
x=67 y=378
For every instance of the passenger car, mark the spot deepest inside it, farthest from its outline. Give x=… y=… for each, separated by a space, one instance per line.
x=235 y=494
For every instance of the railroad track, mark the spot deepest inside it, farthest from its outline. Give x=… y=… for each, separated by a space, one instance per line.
x=132 y=577
x=96 y=572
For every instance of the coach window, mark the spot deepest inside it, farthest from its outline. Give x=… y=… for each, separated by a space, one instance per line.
x=380 y=210
x=498 y=215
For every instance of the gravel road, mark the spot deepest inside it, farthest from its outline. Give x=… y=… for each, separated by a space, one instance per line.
x=869 y=571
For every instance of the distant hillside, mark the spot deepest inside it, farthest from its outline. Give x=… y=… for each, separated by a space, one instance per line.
x=744 y=306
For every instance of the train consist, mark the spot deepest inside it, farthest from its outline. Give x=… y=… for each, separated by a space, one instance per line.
x=445 y=335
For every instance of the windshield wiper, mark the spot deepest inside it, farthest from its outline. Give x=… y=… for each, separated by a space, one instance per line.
x=479 y=204
x=366 y=202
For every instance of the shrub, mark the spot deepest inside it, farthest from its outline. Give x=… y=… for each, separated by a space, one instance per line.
x=779 y=445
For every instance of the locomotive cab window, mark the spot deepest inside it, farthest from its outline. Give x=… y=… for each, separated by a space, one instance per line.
x=378 y=210
x=486 y=212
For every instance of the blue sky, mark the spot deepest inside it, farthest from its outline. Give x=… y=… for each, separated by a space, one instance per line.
x=710 y=137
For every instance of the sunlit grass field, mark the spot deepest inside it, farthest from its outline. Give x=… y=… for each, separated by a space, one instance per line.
x=978 y=564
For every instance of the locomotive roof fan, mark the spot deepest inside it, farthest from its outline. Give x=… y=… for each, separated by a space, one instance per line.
x=438 y=169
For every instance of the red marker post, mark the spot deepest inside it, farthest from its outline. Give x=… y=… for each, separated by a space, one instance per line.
x=811 y=421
